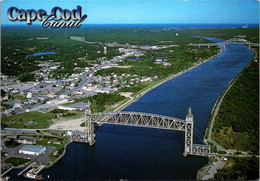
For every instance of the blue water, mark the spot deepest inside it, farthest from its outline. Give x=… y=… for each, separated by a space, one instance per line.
x=122 y=152
x=41 y=53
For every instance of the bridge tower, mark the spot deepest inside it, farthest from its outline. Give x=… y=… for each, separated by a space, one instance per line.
x=89 y=126
x=188 y=133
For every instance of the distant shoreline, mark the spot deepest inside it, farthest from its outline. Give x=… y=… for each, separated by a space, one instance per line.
x=149 y=25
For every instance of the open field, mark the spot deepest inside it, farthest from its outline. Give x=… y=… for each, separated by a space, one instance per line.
x=16 y=161
x=43 y=120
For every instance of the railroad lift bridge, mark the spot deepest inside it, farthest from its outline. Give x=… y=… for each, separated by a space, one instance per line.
x=147 y=120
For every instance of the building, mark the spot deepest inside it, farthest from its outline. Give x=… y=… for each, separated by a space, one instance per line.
x=69 y=133
x=32 y=150
x=77 y=106
x=105 y=50
x=26 y=140
x=29 y=95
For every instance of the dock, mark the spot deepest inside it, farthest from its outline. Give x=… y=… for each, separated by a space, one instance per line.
x=7 y=171
x=40 y=168
x=20 y=173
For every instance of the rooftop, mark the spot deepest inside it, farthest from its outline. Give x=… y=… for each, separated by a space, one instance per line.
x=33 y=148
x=26 y=138
x=79 y=105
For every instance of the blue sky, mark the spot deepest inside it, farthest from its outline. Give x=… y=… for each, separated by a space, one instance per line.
x=148 y=11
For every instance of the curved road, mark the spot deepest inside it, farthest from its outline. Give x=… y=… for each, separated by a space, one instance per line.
x=216 y=112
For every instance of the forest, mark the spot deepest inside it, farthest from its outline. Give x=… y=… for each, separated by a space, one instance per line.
x=101 y=100
x=237 y=123
x=180 y=58
x=21 y=41
x=239 y=169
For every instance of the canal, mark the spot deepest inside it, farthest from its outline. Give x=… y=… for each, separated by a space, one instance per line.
x=122 y=152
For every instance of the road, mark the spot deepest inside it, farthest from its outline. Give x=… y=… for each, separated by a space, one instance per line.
x=216 y=112
x=19 y=131
x=212 y=169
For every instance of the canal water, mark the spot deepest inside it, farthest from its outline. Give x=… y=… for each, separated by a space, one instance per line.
x=122 y=152
x=41 y=53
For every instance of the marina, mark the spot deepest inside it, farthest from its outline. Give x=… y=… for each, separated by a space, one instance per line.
x=29 y=166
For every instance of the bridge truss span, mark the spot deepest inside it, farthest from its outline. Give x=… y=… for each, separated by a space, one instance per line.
x=200 y=150
x=147 y=120
x=139 y=119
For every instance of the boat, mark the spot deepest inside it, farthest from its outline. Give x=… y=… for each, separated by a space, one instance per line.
x=32 y=175
x=5 y=178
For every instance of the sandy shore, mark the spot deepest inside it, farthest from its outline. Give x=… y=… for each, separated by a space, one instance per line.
x=71 y=124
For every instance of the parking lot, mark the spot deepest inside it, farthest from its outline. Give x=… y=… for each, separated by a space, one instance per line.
x=212 y=169
x=43 y=158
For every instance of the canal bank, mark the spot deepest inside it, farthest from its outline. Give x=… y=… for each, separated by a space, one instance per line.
x=149 y=88
x=221 y=153
x=60 y=157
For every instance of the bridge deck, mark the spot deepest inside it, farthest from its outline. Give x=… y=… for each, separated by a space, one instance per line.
x=139 y=119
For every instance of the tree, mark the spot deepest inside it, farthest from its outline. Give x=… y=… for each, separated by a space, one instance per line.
x=3 y=93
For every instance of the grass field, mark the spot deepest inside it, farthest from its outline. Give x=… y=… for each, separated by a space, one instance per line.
x=16 y=161
x=44 y=120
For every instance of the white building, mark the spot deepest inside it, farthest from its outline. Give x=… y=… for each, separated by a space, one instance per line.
x=29 y=95
x=32 y=150
x=69 y=133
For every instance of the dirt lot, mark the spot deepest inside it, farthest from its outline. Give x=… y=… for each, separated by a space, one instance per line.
x=72 y=124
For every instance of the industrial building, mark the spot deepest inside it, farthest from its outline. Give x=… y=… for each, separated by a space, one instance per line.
x=26 y=140
x=32 y=150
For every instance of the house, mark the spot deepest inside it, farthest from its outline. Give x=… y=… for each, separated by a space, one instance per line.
x=78 y=93
x=26 y=140
x=52 y=90
x=18 y=105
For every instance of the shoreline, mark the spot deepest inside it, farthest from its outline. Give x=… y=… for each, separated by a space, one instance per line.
x=162 y=81
x=209 y=128
x=60 y=157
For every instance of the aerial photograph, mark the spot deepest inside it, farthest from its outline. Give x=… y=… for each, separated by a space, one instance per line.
x=129 y=90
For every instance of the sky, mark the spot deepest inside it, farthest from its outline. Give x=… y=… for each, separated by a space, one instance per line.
x=148 y=11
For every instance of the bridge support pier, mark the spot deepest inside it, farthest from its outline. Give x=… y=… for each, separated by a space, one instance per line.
x=89 y=125
x=188 y=133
